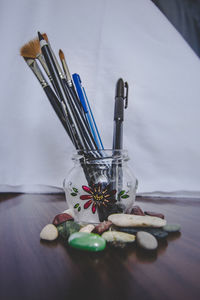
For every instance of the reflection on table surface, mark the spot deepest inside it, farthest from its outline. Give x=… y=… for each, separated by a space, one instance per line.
x=35 y=269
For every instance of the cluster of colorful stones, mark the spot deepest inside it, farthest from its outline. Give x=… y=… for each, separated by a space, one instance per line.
x=146 y=228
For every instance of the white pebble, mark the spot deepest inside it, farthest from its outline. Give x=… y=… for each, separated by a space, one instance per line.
x=126 y=220
x=146 y=240
x=87 y=228
x=49 y=232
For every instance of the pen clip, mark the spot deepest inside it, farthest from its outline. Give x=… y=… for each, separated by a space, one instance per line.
x=126 y=96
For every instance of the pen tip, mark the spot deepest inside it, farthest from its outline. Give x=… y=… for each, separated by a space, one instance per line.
x=40 y=36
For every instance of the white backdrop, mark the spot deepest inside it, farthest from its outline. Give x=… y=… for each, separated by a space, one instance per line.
x=102 y=41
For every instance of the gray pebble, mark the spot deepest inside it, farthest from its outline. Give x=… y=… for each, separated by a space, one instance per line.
x=172 y=227
x=146 y=240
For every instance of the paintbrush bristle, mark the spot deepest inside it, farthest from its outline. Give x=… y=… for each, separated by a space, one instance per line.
x=44 y=35
x=61 y=55
x=31 y=49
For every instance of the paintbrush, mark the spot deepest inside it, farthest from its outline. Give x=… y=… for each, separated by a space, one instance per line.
x=70 y=85
x=66 y=77
x=32 y=63
x=45 y=37
x=60 y=89
x=85 y=138
x=65 y=68
x=32 y=50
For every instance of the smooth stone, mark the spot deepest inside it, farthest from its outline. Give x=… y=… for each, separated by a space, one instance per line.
x=126 y=220
x=103 y=226
x=60 y=218
x=154 y=214
x=157 y=232
x=87 y=228
x=146 y=240
x=117 y=236
x=87 y=241
x=49 y=233
x=136 y=210
x=130 y=230
x=67 y=228
x=172 y=227
x=70 y=212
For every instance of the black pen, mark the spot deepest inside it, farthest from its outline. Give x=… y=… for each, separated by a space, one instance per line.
x=121 y=102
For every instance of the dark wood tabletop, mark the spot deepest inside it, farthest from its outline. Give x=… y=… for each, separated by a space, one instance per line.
x=35 y=269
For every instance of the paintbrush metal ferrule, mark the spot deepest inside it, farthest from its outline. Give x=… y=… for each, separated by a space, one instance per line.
x=67 y=73
x=36 y=70
x=44 y=65
x=62 y=76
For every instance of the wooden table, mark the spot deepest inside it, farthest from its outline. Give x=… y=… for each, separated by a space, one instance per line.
x=32 y=269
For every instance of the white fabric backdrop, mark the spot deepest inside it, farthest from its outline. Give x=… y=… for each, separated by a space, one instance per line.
x=102 y=41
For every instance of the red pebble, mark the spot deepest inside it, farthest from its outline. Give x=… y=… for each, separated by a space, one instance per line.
x=154 y=214
x=61 y=218
x=136 y=210
x=100 y=228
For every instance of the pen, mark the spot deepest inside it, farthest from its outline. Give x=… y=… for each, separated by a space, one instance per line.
x=121 y=102
x=87 y=110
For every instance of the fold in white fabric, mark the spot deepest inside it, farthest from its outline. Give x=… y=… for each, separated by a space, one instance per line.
x=102 y=41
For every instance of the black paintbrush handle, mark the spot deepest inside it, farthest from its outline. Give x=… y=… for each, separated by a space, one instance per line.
x=58 y=110
x=75 y=108
x=78 y=102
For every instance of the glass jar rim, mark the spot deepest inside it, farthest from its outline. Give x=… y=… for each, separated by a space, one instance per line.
x=100 y=154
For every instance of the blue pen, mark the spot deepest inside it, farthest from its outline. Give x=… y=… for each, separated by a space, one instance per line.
x=87 y=110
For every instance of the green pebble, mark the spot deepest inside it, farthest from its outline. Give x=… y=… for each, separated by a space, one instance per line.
x=172 y=227
x=159 y=233
x=87 y=241
x=130 y=230
x=67 y=228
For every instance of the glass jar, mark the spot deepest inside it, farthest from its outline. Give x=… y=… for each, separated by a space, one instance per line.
x=99 y=184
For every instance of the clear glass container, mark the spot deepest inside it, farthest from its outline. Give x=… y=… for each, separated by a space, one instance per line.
x=99 y=184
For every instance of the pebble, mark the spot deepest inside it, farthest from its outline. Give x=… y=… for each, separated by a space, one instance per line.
x=130 y=230
x=126 y=220
x=70 y=212
x=87 y=241
x=60 y=218
x=87 y=228
x=67 y=228
x=49 y=233
x=172 y=228
x=103 y=226
x=157 y=232
x=117 y=236
x=136 y=210
x=146 y=240
x=154 y=214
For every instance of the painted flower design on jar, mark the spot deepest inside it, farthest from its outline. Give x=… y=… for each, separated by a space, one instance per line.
x=101 y=198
